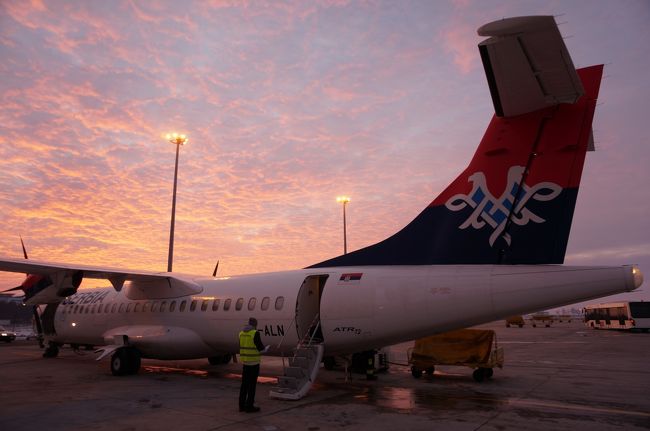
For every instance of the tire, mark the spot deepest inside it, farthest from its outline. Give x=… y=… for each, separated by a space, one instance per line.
x=479 y=374
x=220 y=359
x=329 y=362
x=52 y=351
x=416 y=372
x=430 y=371
x=125 y=360
x=119 y=362
x=134 y=361
x=489 y=372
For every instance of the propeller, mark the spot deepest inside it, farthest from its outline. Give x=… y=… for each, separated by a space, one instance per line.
x=37 y=317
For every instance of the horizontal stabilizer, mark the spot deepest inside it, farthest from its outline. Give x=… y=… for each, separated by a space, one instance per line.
x=527 y=65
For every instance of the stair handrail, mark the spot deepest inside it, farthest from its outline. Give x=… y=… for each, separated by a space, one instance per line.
x=284 y=365
x=285 y=332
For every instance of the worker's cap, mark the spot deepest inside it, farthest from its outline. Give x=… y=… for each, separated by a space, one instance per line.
x=252 y=321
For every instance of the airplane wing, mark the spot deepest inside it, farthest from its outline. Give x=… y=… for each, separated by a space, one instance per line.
x=51 y=282
x=527 y=65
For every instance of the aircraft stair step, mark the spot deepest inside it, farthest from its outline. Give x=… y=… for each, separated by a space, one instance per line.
x=300 y=374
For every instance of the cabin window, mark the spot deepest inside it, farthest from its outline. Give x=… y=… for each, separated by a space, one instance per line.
x=239 y=304
x=251 y=304
x=204 y=305
x=193 y=305
x=226 y=304
x=76 y=308
x=181 y=308
x=137 y=307
x=279 y=302
x=113 y=308
x=146 y=306
x=265 y=303
x=154 y=307
x=172 y=306
x=163 y=306
x=129 y=307
x=92 y=309
x=121 y=309
x=215 y=305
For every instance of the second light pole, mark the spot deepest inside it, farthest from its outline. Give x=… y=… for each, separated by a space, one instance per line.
x=344 y=200
x=177 y=140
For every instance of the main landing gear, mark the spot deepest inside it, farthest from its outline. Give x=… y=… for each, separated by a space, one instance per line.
x=125 y=360
x=220 y=359
x=51 y=351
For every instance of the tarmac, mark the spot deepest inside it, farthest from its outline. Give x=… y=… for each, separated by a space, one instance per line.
x=561 y=377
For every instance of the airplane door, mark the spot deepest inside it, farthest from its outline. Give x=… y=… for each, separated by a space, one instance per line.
x=308 y=307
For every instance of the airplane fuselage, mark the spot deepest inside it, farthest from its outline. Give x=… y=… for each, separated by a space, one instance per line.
x=357 y=308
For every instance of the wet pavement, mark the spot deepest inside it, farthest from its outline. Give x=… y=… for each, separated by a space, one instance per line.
x=563 y=377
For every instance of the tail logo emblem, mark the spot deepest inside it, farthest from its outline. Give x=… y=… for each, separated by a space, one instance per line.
x=494 y=212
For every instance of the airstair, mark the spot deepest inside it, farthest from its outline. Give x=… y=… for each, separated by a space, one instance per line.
x=302 y=368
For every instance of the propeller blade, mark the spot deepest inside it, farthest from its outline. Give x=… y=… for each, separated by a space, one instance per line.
x=23 y=244
x=214 y=273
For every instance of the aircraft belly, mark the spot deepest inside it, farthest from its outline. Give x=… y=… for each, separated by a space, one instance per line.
x=162 y=342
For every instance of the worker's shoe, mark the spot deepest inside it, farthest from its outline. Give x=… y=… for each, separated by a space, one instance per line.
x=252 y=409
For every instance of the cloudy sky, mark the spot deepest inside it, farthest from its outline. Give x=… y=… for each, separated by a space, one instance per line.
x=287 y=105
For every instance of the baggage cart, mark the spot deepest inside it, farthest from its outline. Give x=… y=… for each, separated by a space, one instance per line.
x=474 y=348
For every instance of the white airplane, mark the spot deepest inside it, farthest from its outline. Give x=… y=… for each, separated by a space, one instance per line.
x=489 y=246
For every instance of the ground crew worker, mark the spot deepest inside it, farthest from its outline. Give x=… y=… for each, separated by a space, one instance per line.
x=250 y=351
x=370 y=365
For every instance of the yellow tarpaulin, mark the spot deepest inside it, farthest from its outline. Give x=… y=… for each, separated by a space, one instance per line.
x=461 y=347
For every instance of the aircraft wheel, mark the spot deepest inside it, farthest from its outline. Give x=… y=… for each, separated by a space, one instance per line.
x=416 y=372
x=220 y=359
x=489 y=372
x=125 y=360
x=134 y=361
x=52 y=351
x=479 y=374
x=329 y=362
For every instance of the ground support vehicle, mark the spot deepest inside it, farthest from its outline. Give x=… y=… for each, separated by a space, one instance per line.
x=474 y=348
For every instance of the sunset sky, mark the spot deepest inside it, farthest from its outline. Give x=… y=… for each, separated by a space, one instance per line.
x=287 y=105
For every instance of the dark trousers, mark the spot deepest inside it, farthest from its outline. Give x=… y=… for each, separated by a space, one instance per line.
x=248 y=384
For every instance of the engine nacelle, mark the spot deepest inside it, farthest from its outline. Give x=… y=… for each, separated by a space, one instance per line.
x=52 y=288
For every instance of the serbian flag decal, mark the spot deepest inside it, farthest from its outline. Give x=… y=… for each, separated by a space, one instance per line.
x=350 y=278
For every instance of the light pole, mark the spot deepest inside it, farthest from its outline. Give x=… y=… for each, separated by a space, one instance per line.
x=344 y=200
x=177 y=140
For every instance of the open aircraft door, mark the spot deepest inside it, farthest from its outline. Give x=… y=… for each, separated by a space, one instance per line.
x=308 y=307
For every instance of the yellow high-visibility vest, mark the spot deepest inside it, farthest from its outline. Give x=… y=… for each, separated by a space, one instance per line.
x=248 y=352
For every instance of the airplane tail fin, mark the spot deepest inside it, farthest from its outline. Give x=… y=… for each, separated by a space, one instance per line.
x=514 y=203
